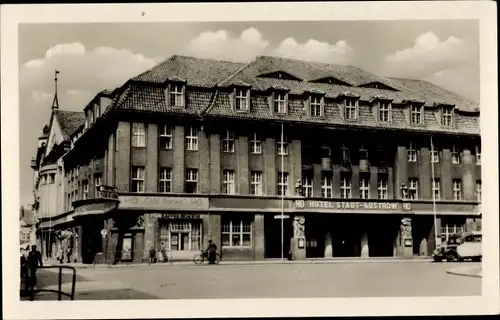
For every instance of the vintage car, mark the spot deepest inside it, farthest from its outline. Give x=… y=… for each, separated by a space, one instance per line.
x=459 y=247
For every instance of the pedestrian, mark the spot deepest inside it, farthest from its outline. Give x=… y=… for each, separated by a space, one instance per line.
x=212 y=252
x=152 y=254
x=68 y=254
x=34 y=261
x=164 y=256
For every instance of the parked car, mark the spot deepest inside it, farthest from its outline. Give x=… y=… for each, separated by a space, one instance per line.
x=459 y=247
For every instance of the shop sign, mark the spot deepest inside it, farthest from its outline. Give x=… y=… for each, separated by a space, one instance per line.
x=177 y=216
x=352 y=205
x=163 y=203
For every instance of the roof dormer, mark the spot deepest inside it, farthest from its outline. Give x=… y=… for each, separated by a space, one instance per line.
x=331 y=80
x=175 y=92
x=240 y=97
x=382 y=109
x=377 y=85
x=349 y=106
x=279 y=75
x=314 y=103
x=414 y=112
x=278 y=99
x=445 y=114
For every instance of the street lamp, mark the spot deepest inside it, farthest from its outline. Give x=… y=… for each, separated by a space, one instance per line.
x=404 y=191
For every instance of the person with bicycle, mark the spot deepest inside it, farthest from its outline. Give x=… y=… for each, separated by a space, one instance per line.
x=212 y=252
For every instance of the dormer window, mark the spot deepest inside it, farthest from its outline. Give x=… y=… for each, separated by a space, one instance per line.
x=177 y=95
x=316 y=106
x=416 y=114
x=241 y=100
x=351 y=109
x=447 y=117
x=280 y=102
x=384 y=111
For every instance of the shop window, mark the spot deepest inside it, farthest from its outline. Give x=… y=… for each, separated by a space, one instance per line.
x=236 y=233
x=180 y=235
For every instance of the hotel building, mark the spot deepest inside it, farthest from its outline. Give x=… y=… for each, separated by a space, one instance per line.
x=196 y=149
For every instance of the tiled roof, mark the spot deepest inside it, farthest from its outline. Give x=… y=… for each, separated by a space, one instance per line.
x=207 y=81
x=70 y=121
x=197 y=72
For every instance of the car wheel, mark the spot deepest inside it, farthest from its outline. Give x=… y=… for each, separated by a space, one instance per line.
x=450 y=257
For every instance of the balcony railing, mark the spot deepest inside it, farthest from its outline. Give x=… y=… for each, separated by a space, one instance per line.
x=106 y=192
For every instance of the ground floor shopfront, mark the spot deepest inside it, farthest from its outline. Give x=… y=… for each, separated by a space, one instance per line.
x=253 y=229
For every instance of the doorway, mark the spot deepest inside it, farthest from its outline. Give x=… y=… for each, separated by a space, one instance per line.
x=346 y=236
x=382 y=235
x=272 y=236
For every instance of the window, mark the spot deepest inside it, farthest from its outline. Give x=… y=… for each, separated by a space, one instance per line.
x=478 y=190
x=345 y=187
x=137 y=179
x=176 y=95
x=382 y=188
x=384 y=111
x=413 y=189
x=192 y=139
x=166 y=137
x=316 y=106
x=138 y=135
x=412 y=153
x=24 y=236
x=346 y=154
x=236 y=233
x=256 y=144
x=52 y=178
x=229 y=185
x=97 y=180
x=179 y=235
x=228 y=142
x=256 y=183
x=478 y=155
x=326 y=186
x=457 y=189
x=241 y=100
x=434 y=155
x=97 y=111
x=280 y=102
x=416 y=114
x=436 y=189
x=448 y=117
x=351 y=109
x=165 y=180
x=307 y=186
x=282 y=183
x=85 y=185
x=283 y=147
x=191 y=181
x=364 y=188
x=455 y=155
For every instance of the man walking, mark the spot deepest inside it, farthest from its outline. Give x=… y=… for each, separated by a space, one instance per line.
x=212 y=252
x=34 y=260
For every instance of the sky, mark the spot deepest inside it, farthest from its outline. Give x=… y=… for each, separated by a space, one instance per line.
x=94 y=57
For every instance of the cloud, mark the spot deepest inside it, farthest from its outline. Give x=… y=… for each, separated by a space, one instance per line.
x=221 y=45
x=427 y=56
x=464 y=80
x=314 y=50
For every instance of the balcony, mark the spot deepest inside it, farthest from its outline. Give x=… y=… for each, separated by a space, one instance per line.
x=106 y=192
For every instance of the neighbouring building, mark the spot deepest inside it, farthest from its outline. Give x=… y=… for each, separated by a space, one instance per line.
x=27 y=228
x=198 y=149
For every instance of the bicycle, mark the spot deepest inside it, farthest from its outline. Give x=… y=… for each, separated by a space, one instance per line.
x=201 y=257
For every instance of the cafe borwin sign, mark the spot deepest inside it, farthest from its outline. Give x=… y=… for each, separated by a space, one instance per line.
x=352 y=205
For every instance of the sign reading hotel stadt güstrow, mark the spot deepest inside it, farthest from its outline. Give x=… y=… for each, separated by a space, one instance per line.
x=353 y=205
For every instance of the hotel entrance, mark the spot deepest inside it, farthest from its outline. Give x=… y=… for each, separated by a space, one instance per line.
x=272 y=236
x=346 y=236
x=382 y=233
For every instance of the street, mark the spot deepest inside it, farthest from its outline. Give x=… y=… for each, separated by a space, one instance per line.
x=366 y=279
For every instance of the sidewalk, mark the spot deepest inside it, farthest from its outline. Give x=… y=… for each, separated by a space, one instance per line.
x=260 y=262
x=466 y=271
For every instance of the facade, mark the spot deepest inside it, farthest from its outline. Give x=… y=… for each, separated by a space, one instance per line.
x=27 y=228
x=196 y=150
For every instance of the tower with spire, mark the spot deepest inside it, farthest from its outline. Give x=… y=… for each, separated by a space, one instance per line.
x=55 y=102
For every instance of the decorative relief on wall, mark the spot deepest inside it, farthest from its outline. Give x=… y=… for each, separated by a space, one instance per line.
x=406 y=228
x=299 y=226
x=140 y=221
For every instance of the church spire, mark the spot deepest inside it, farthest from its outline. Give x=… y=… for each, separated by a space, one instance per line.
x=55 y=102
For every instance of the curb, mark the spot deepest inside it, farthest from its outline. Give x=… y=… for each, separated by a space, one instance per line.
x=236 y=263
x=464 y=273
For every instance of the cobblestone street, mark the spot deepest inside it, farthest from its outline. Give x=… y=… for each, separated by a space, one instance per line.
x=365 y=279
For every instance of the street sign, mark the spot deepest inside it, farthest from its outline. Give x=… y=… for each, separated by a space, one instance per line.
x=279 y=216
x=104 y=232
